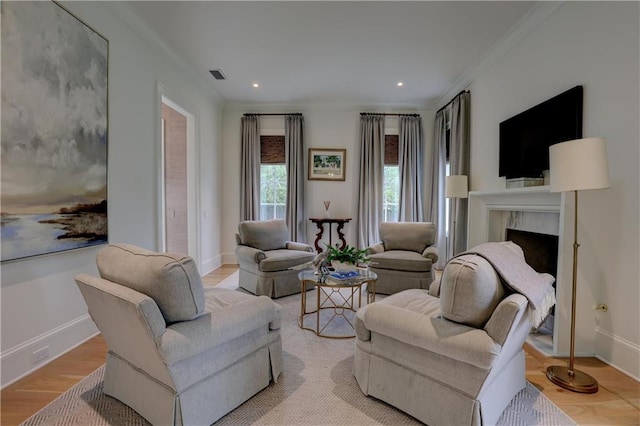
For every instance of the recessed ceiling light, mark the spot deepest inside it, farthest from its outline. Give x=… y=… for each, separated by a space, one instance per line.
x=256 y=85
x=400 y=84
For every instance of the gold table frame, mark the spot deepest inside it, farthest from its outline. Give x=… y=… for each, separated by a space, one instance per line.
x=330 y=287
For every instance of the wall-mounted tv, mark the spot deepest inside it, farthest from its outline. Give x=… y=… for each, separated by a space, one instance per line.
x=525 y=138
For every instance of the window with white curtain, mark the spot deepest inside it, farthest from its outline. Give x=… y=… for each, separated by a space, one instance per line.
x=391 y=179
x=273 y=178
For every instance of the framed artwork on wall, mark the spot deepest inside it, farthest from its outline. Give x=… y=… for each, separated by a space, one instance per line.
x=54 y=131
x=327 y=163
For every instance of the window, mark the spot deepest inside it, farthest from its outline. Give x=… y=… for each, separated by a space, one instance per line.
x=273 y=178
x=391 y=179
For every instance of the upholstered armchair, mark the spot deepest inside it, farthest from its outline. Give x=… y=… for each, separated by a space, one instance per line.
x=265 y=256
x=456 y=359
x=179 y=354
x=405 y=256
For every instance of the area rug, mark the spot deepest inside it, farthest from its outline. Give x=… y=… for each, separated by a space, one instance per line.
x=316 y=387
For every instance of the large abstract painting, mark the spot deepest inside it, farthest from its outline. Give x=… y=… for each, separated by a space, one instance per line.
x=53 y=131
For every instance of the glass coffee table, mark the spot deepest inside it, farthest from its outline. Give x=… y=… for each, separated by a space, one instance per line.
x=335 y=302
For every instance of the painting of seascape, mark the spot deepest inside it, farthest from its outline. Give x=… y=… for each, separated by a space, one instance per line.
x=53 y=132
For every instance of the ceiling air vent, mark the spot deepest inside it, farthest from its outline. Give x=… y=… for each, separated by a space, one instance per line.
x=217 y=74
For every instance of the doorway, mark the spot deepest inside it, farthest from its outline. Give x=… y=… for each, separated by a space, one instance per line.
x=177 y=207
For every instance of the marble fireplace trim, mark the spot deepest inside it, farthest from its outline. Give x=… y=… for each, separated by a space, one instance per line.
x=532 y=209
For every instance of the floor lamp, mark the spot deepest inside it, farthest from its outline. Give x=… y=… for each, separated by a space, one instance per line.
x=455 y=186
x=574 y=166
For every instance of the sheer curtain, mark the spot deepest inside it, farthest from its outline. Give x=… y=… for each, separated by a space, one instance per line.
x=410 y=162
x=455 y=117
x=294 y=158
x=371 y=178
x=250 y=168
x=459 y=163
x=435 y=185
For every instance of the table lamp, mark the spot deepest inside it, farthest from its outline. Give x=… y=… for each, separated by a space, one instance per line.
x=455 y=186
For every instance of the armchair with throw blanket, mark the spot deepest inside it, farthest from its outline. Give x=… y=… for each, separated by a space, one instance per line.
x=456 y=359
x=265 y=256
x=405 y=256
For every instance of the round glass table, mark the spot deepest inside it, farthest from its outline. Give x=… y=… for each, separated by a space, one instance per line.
x=335 y=306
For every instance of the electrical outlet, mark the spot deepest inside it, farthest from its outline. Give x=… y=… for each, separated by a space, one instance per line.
x=40 y=355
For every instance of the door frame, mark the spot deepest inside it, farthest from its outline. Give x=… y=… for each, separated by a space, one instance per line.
x=165 y=96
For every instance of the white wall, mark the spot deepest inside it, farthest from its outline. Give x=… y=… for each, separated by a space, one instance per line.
x=41 y=304
x=594 y=44
x=326 y=126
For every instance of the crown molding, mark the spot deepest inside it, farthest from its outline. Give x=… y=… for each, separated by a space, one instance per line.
x=126 y=13
x=518 y=32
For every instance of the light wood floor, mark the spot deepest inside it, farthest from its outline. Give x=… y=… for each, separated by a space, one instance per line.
x=616 y=403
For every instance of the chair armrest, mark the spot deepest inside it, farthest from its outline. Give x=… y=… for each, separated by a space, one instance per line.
x=375 y=248
x=292 y=245
x=434 y=288
x=505 y=316
x=431 y=252
x=447 y=338
x=249 y=254
x=185 y=339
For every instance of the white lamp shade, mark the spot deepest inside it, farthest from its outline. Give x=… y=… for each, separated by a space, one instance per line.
x=455 y=186
x=578 y=164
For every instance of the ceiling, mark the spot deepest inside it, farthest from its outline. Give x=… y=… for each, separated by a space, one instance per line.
x=333 y=51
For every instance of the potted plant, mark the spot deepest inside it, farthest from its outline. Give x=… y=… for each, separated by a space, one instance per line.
x=348 y=258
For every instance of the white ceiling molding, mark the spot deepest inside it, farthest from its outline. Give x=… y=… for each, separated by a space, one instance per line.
x=518 y=32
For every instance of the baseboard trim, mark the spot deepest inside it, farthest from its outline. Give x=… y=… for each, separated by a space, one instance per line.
x=618 y=352
x=211 y=264
x=16 y=361
x=229 y=259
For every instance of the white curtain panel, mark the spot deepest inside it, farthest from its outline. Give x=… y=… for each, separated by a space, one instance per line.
x=250 y=168
x=371 y=178
x=411 y=167
x=435 y=186
x=294 y=155
x=459 y=163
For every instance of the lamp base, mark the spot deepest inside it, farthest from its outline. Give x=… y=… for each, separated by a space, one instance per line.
x=579 y=382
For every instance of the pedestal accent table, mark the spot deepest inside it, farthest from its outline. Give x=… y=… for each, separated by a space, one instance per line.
x=320 y=224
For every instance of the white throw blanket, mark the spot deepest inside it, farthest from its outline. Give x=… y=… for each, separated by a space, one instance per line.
x=508 y=261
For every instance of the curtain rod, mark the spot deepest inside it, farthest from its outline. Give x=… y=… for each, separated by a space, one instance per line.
x=452 y=99
x=272 y=113
x=385 y=114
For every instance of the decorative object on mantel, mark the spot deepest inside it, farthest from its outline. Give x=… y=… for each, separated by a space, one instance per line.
x=576 y=165
x=524 y=182
x=455 y=186
x=327 y=163
x=326 y=208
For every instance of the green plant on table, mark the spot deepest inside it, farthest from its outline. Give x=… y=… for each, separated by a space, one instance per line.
x=348 y=255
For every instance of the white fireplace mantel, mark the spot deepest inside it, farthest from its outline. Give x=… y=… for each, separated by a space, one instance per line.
x=486 y=223
x=482 y=203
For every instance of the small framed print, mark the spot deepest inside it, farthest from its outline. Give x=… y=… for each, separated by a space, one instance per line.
x=327 y=163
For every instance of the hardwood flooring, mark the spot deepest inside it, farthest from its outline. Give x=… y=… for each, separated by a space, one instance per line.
x=616 y=403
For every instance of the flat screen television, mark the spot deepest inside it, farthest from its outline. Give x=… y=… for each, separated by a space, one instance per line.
x=525 y=138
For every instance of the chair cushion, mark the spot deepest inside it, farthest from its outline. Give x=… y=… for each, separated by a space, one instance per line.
x=470 y=290
x=171 y=280
x=264 y=234
x=280 y=260
x=412 y=236
x=400 y=260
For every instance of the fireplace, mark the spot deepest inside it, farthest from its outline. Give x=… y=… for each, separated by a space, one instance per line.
x=540 y=250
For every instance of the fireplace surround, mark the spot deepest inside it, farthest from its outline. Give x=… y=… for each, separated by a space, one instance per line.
x=529 y=210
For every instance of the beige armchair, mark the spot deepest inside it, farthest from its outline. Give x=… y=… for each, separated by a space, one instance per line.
x=179 y=354
x=405 y=256
x=265 y=256
x=457 y=359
